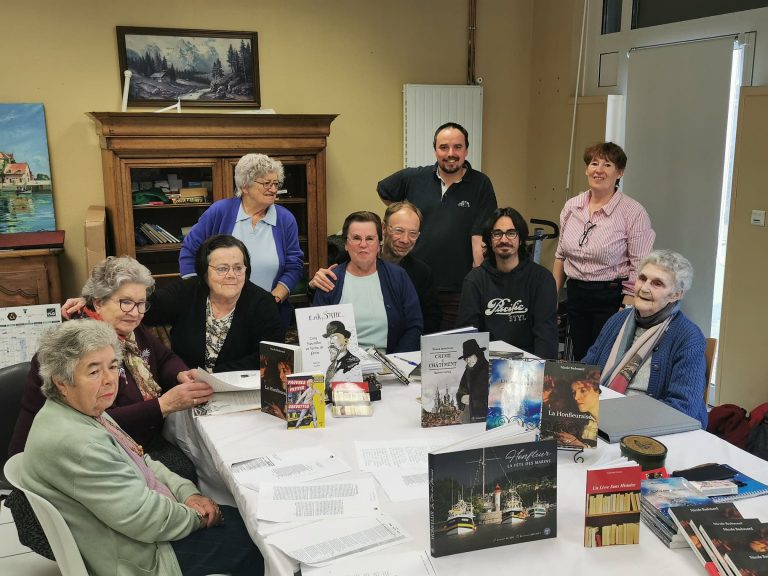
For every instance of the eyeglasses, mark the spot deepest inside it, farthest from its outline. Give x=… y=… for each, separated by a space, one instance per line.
x=588 y=227
x=237 y=269
x=400 y=232
x=360 y=240
x=511 y=234
x=271 y=184
x=127 y=305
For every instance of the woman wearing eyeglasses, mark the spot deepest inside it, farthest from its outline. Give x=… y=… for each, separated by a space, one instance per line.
x=387 y=311
x=218 y=317
x=508 y=295
x=269 y=231
x=154 y=382
x=604 y=234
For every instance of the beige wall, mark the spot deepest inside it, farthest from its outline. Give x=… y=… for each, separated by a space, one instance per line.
x=741 y=374
x=556 y=26
x=349 y=57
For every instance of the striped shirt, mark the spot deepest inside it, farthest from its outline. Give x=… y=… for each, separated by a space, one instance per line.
x=621 y=237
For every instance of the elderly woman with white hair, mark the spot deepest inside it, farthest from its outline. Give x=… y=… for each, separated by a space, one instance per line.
x=269 y=231
x=128 y=513
x=653 y=348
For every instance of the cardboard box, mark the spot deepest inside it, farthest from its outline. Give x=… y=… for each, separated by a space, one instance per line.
x=95 y=236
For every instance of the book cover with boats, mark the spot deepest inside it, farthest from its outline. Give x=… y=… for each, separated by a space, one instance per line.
x=570 y=404
x=454 y=378
x=514 y=393
x=492 y=496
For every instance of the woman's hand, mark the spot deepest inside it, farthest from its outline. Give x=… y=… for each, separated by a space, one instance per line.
x=72 y=306
x=324 y=279
x=280 y=292
x=184 y=396
x=207 y=509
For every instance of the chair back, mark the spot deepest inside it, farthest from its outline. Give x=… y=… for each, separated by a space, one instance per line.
x=59 y=536
x=709 y=357
x=12 y=379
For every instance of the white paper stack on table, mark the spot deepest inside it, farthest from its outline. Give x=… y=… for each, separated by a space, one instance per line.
x=233 y=392
x=311 y=520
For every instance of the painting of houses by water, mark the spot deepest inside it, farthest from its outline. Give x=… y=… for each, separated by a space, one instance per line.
x=26 y=194
x=200 y=67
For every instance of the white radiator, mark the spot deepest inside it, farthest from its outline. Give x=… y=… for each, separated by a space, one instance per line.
x=426 y=106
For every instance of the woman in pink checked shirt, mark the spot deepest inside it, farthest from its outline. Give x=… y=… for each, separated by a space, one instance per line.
x=604 y=234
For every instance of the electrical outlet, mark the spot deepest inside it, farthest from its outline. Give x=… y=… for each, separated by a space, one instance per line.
x=758 y=218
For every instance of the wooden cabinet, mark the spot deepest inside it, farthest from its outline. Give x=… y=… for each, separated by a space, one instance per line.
x=200 y=151
x=30 y=277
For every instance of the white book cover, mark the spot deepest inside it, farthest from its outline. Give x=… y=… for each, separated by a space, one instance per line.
x=328 y=340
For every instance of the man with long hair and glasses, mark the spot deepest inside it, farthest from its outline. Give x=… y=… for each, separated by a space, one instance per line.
x=508 y=295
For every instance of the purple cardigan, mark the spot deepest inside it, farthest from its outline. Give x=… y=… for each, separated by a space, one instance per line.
x=142 y=419
x=220 y=219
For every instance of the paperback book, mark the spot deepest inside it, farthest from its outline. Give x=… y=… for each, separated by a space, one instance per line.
x=746 y=486
x=328 y=340
x=570 y=404
x=492 y=489
x=454 y=378
x=738 y=547
x=612 y=509
x=687 y=518
x=276 y=361
x=658 y=495
x=305 y=401
x=514 y=393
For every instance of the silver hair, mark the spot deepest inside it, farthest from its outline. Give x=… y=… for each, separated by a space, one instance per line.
x=62 y=347
x=251 y=167
x=676 y=263
x=108 y=275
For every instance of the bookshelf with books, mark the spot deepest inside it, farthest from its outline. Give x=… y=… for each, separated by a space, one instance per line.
x=155 y=164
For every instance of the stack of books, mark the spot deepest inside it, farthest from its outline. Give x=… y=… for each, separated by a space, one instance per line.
x=657 y=496
x=724 y=542
x=153 y=234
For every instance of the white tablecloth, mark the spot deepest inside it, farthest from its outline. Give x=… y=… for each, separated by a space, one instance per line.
x=236 y=437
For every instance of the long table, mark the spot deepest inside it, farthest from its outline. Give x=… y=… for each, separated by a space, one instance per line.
x=237 y=437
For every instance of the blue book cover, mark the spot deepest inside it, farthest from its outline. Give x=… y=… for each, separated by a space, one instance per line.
x=514 y=393
x=748 y=487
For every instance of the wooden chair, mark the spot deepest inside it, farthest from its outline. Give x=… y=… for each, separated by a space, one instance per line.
x=709 y=356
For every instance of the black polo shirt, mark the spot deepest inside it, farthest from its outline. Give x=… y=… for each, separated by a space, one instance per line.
x=450 y=220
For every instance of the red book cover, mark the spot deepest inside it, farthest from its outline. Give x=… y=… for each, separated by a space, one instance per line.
x=612 y=506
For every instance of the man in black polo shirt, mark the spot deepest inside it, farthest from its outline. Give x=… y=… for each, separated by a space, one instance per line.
x=402 y=221
x=455 y=201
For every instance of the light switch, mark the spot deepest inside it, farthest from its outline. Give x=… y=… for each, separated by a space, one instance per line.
x=758 y=218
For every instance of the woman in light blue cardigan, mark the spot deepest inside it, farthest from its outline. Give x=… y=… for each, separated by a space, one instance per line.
x=128 y=513
x=269 y=231
x=653 y=348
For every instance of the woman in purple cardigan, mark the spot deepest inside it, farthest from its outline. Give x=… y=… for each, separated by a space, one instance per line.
x=269 y=231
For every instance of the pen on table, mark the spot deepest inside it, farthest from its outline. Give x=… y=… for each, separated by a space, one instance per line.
x=405 y=360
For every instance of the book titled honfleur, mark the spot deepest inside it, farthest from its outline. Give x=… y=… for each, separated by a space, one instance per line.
x=492 y=489
x=454 y=378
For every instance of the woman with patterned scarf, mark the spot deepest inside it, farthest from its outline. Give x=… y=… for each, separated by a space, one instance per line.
x=153 y=381
x=653 y=348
